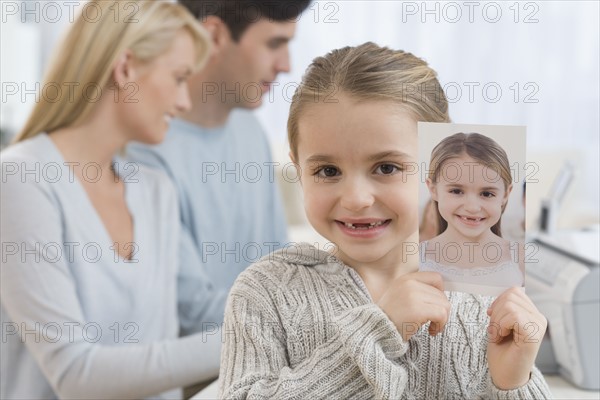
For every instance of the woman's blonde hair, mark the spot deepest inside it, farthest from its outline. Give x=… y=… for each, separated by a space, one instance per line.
x=369 y=72
x=101 y=33
x=482 y=149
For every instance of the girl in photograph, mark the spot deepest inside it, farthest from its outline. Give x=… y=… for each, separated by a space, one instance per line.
x=470 y=182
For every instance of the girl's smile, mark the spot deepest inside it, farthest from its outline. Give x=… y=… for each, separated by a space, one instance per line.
x=470 y=221
x=367 y=228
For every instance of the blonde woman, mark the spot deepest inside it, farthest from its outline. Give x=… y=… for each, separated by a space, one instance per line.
x=90 y=243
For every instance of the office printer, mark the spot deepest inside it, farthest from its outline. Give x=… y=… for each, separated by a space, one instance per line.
x=562 y=279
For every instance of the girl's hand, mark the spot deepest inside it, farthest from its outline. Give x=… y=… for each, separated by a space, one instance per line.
x=515 y=334
x=415 y=299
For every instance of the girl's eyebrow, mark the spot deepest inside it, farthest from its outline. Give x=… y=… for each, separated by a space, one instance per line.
x=316 y=158
x=388 y=154
x=486 y=188
x=375 y=157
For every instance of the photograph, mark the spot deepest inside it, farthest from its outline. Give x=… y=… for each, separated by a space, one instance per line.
x=470 y=179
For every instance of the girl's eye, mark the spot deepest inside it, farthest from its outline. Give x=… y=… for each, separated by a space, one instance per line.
x=488 y=194
x=387 y=169
x=327 y=172
x=455 y=191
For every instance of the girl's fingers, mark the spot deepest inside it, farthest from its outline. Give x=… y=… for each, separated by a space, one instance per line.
x=438 y=320
x=501 y=328
x=432 y=305
x=513 y=312
x=521 y=328
x=510 y=307
x=514 y=296
x=415 y=299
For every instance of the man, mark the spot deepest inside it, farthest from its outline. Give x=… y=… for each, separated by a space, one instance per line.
x=218 y=155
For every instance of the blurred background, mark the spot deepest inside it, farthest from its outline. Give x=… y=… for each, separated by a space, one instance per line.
x=526 y=63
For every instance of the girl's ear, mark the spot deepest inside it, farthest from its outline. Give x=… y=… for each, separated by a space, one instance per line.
x=124 y=70
x=432 y=189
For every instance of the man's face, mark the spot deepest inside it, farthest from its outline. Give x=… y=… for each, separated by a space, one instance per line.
x=251 y=65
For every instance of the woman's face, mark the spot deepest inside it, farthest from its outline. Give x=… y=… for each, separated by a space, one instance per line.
x=158 y=91
x=359 y=178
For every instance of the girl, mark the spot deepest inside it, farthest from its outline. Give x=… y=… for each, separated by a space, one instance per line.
x=90 y=245
x=469 y=182
x=307 y=323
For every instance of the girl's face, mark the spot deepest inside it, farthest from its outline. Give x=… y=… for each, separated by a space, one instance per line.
x=158 y=92
x=470 y=197
x=358 y=172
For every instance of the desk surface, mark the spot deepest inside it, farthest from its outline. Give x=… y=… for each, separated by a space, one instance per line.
x=208 y=393
x=561 y=389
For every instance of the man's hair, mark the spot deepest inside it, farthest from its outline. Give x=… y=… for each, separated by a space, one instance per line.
x=239 y=14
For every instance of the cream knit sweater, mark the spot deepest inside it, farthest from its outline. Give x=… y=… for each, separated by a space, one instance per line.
x=300 y=324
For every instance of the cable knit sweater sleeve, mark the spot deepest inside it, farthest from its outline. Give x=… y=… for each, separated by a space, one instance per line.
x=255 y=362
x=536 y=388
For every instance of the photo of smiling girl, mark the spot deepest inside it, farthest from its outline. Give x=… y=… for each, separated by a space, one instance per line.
x=470 y=181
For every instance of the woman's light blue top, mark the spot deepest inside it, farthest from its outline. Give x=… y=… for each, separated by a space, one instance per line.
x=78 y=321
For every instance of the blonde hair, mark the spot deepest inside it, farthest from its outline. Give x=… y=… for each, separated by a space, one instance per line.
x=480 y=148
x=370 y=72
x=101 y=33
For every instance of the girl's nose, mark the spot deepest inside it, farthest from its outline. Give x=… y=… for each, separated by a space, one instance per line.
x=356 y=196
x=472 y=204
